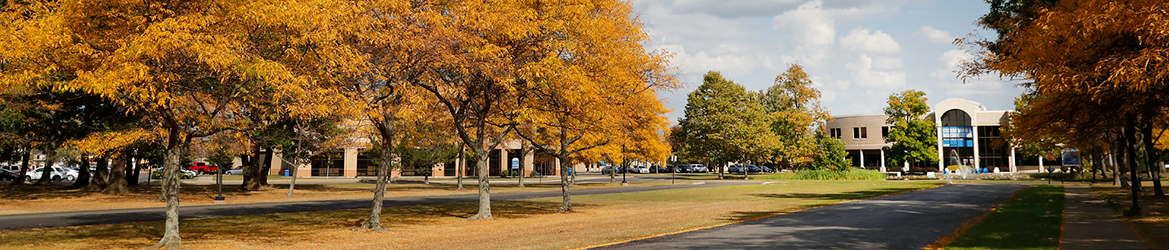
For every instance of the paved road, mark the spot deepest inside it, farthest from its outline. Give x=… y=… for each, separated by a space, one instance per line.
x=906 y=221
x=27 y=221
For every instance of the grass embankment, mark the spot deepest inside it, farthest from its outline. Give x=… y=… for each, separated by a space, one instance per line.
x=1153 y=225
x=524 y=224
x=1030 y=219
x=46 y=199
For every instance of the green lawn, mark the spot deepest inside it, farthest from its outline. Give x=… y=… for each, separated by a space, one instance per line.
x=1028 y=220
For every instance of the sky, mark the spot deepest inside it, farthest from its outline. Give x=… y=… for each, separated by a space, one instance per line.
x=857 y=52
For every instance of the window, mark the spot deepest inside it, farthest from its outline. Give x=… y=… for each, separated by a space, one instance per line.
x=864 y=132
x=860 y=133
x=885 y=132
x=834 y=133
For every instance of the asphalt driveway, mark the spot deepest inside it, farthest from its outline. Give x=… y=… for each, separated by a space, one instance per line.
x=906 y=221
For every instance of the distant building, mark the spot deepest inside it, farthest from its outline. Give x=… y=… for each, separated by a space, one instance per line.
x=968 y=134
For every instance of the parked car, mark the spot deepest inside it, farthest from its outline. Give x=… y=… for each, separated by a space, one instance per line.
x=234 y=171
x=639 y=170
x=685 y=168
x=698 y=168
x=202 y=167
x=612 y=170
x=767 y=169
x=12 y=168
x=57 y=174
x=6 y=175
x=660 y=169
x=183 y=174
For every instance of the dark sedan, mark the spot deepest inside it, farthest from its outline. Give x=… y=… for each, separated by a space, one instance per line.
x=6 y=175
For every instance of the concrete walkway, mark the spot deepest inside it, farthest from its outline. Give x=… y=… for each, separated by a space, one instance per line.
x=1088 y=223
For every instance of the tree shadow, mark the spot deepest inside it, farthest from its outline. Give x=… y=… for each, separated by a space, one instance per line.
x=852 y=195
x=269 y=227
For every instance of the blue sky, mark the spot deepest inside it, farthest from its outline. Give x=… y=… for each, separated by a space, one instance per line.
x=858 y=52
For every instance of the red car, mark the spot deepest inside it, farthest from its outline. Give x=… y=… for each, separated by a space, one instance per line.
x=202 y=167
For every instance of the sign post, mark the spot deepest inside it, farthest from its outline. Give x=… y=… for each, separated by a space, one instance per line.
x=1071 y=158
x=515 y=165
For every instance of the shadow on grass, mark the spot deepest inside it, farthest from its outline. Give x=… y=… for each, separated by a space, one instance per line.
x=266 y=228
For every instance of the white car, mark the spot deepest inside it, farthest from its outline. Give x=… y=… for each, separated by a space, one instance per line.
x=58 y=174
x=236 y=171
x=640 y=169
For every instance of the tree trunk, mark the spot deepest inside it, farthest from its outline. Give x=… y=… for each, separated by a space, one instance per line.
x=101 y=177
x=266 y=168
x=23 y=169
x=460 y=166
x=1151 y=158
x=170 y=192
x=47 y=171
x=252 y=171
x=379 y=192
x=566 y=206
x=292 y=185
x=83 y=174
x=523 y=162
x=1131 y=157
x=131 y=166
x=117 y=184
x=136 y=170
x=481 y=157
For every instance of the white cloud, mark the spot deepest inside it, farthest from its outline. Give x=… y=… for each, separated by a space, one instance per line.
x=859 y=39
x=866 y=77
x=935 y=35
x=947 y=77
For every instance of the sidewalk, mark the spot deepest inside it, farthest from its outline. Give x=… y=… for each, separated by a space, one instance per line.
x=1088 y=223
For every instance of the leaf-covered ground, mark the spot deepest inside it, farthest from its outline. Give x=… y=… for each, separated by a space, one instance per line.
x=522 y=224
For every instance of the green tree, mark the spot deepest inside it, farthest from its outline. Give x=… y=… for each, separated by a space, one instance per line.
x=914 y=139
x=830 y=153
x=725 y=123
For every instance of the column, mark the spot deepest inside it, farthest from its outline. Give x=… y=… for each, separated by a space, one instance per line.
x=555 y=168
x=1041 y=164
x=905 y=167
x=977 y=157
x=882 y=160
x=862 y=153
x=277 y=163
x=437 y=170
x=1011 y=161
x=529 y=162
x=350 y=166
x=941 y=154
x=304 y=170
x=504 y=162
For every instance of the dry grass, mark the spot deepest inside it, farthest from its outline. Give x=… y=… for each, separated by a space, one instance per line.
x=46 y=199
x=522 y=224
x=1153 y=227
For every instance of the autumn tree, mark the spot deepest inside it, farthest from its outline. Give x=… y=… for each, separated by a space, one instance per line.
x=914 y=138
x=593 y=80
x=187 y=66
x=795 y=103
x=1108 y=54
